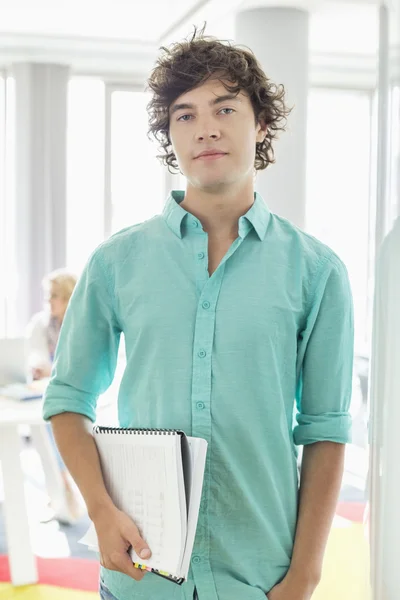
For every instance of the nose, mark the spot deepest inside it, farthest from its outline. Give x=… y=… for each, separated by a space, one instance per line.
x=207 y=131
x=211 y=136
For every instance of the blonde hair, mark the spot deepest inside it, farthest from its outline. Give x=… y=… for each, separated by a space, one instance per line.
x=63 y=279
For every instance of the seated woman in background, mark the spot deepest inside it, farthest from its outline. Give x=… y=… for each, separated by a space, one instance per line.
x=44 y=328
x=42 y=338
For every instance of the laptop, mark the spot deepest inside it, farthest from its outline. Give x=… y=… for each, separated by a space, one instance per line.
x=13 y=361
x=14 y=370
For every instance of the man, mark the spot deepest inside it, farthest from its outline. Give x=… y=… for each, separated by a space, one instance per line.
x=229 y=313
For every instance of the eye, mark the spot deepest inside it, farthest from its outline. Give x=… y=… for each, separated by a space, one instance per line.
x=183 y=119
x=231 y=109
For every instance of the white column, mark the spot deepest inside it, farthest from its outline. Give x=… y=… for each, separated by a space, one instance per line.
x=279 y=39
x=385 y=352
x=40 y=190
x=384 y=420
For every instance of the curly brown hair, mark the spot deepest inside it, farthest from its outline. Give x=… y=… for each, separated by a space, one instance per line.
x=186 y=65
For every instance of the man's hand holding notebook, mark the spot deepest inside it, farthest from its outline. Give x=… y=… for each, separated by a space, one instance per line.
x=116 y=534
x=154 y=479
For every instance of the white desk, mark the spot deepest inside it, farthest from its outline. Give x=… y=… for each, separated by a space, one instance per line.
x=12 y=414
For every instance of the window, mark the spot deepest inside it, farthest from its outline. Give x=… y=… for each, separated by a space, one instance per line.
x=338 y=187
x=394 y=190
x=114 y=179
x=338 y=212
x=85 y=169
x=3 y=311
x=136 y=176
x=7 y=202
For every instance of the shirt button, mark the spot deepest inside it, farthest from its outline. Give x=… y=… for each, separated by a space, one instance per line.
x=206 y=304
x=202 y=353
x=195 y=223
x=196 y=560
x=200 y=255
x=200 y=405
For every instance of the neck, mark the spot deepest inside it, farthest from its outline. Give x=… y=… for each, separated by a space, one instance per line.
x=219 y=212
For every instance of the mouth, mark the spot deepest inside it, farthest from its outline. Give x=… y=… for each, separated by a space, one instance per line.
x=211 y=156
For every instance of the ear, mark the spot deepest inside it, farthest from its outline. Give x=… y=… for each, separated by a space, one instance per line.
x=261 y=129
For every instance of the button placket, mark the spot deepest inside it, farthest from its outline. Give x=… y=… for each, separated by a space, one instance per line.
x=201 y=414
x=204 y=330
x=201 y=374
x=200 y=244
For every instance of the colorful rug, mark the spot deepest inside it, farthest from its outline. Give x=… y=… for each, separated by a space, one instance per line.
x=70 y=573
x=345 y=572
x=59 y=579
x=352 y=511
x=43 y=592
x=346 y=566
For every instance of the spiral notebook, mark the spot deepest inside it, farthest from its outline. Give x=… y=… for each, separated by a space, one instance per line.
x=156 y=477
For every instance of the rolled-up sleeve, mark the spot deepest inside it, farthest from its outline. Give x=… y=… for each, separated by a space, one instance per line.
x=87 y=349
x=325 y=361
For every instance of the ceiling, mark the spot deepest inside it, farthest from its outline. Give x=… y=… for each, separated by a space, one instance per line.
x=128 y=32
x=155 y=21
x=117 y=19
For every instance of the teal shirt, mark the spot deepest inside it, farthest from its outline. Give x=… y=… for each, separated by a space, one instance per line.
x=225 y=358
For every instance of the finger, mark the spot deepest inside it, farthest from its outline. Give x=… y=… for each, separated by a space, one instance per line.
x=126 y=566
x=137 y=542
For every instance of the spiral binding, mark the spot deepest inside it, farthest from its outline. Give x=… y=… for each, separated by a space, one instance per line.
x=132 y=430
x=178 y=580
x=173 y=578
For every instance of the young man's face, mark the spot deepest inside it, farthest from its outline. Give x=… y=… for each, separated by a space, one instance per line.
x=209 y=118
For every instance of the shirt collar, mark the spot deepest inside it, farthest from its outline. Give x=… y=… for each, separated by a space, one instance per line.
x=257 y=217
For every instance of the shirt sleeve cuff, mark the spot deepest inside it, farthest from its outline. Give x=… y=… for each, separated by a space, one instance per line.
x=62 y=399
x=328 y=427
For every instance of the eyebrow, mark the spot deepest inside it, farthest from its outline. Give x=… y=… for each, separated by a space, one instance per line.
x=218 y=100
